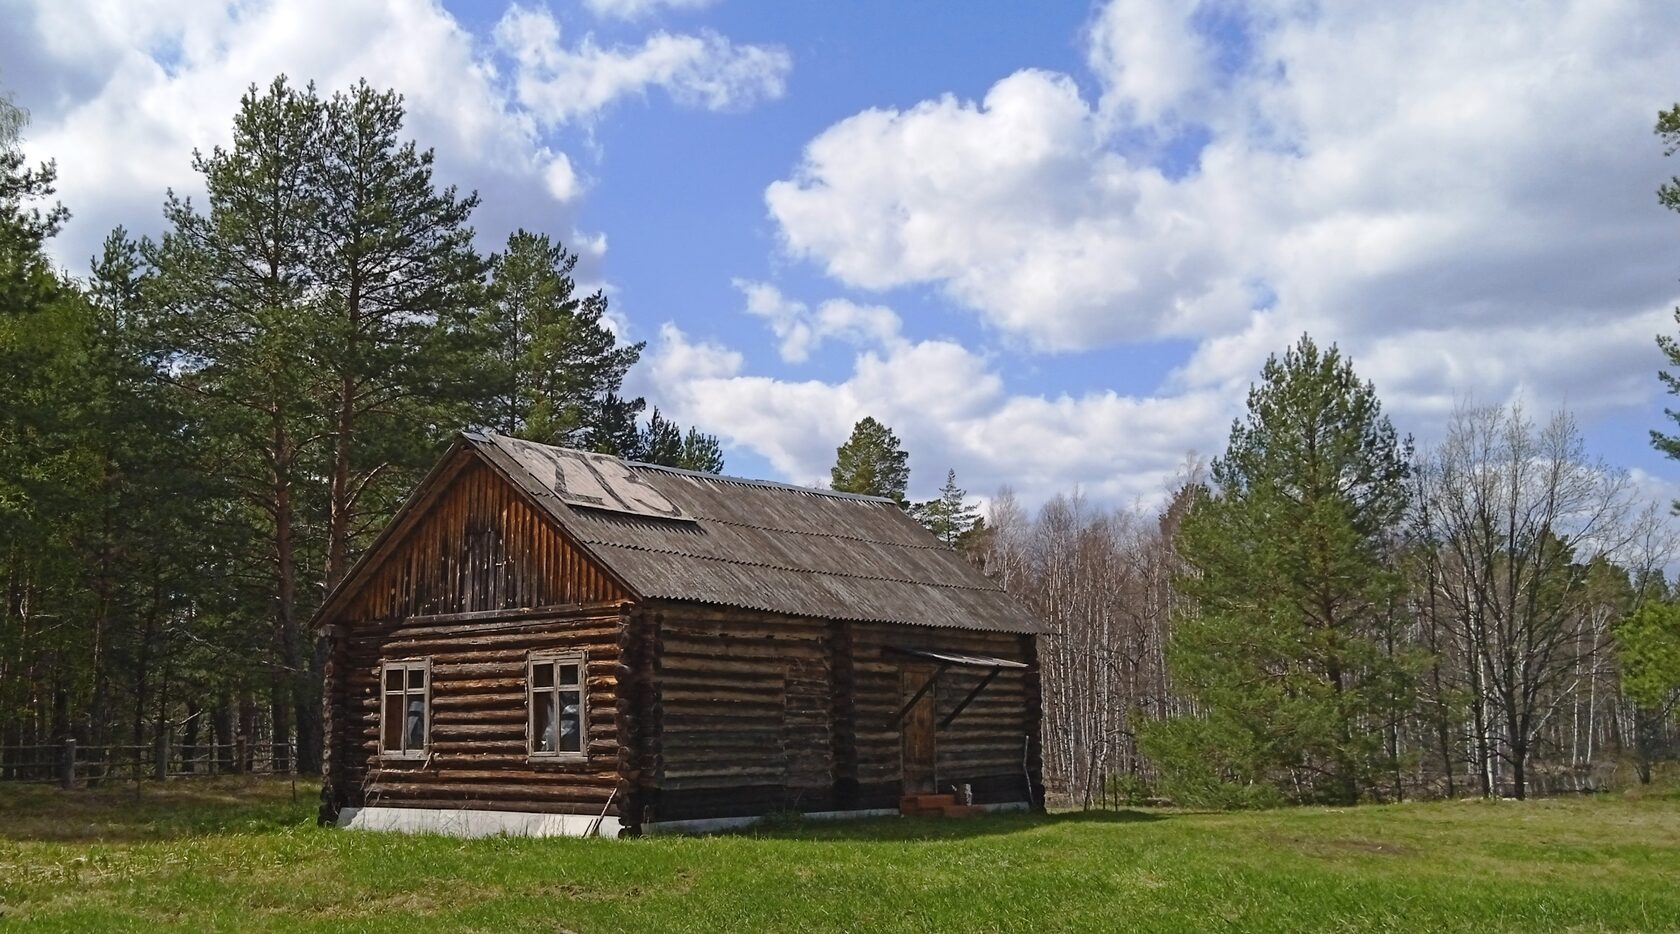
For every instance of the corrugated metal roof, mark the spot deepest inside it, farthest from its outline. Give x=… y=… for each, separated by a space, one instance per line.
x=769 y=546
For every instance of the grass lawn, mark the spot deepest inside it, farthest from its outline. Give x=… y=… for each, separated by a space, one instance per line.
x=239 y=854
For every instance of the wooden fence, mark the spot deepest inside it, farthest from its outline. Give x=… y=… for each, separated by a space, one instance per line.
x=70 y=764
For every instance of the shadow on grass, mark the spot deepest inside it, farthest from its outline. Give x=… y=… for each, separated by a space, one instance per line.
x=177 y=808
x=915 y=829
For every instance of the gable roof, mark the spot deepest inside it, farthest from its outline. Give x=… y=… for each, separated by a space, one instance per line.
x=760 y=545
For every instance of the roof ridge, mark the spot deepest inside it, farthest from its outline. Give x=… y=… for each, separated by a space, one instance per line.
x=764 y=484
x=850 y=538
x=791 y=570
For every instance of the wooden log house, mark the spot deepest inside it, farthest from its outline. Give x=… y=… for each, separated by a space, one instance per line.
x=547 y=641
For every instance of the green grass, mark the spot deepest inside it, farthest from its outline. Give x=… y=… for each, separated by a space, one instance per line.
x=228 y=855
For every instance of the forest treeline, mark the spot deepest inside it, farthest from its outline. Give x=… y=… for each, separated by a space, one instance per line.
x=199 y=432
x=1325 y=614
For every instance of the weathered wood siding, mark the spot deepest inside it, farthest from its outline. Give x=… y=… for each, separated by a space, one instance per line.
x=983 y=747
x=744 y=713
x=476 y=582
x=479 y=546
x=756 y=712
x=477 y=750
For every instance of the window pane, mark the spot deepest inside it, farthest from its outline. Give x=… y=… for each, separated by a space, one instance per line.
x=571 y=739
x=416 y=679
x=393 y=679
x=542 y=675
x=416 y=728
x=391 y=728
x=568 y=674
x=543 y=736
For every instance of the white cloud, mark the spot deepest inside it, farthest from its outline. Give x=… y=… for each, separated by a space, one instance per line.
x=1148 y=57
x=801 y=330
x=1015 y=206
x=162 y=80
x=564 y=85
x=562 y=180
x=635 y=9
x=950 y=408
x=1422 y=183
x=122 y=93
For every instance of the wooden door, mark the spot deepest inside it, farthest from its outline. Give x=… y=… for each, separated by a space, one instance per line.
x=918 y=747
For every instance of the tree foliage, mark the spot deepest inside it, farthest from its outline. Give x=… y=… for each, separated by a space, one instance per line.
x=871 y=462
x=1287 y=650
x=556 y=368
x=951 y=517
x=1668 y=195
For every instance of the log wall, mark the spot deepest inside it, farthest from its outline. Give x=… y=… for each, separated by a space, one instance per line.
x=744 y=713
x=477 y=752
x=756 y=713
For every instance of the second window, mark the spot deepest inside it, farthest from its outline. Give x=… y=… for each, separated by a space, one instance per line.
x=557 y=701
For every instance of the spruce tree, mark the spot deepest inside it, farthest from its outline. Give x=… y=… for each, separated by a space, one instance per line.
x=951 y=517
x=1292 y=588
x=611 y=427
x=871 y=462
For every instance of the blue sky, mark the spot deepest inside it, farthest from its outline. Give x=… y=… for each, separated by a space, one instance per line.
x=1050 y=244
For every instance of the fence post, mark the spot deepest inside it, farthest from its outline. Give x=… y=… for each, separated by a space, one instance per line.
x=67 y=768
x=162 y=754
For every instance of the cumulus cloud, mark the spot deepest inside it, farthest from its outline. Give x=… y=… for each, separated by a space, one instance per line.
x=1410 y=180
x=635 y=9
x=562 y=84
x=802 y=330
x=1148 y=57
x=950 y=407
x=121 y=94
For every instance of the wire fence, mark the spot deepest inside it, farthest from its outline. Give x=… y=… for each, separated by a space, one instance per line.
x=70 y=764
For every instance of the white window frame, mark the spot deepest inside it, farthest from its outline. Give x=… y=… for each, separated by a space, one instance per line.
x=405 y=666
x=551 y=695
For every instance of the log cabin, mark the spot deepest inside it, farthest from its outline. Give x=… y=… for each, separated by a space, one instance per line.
x=549 y=641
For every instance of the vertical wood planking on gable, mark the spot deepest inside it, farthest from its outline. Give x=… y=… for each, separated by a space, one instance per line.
x=480 y=547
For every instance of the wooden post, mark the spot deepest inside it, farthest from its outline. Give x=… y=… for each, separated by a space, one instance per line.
x=239 y=753
x=161 y=753
x=67 y=768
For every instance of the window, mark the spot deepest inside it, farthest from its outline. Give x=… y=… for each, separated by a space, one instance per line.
x=557 y=705
x=406 y=712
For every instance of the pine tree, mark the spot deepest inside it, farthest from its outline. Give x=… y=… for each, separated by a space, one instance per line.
x=661 y=441
x=871 y=462
x=611 y=428
x=1292 y=587
x=237 y=289
x=397 y=274
x=1648 y=659
x=701 y=452
x=1668 y=195
x=555 y=368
